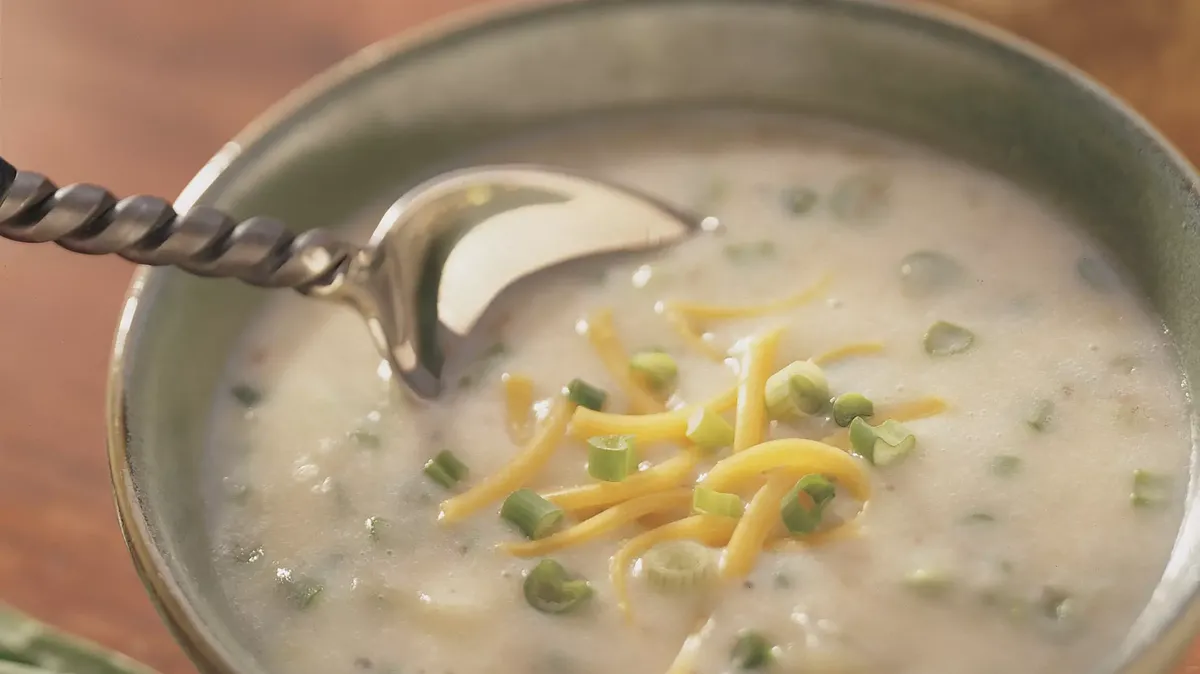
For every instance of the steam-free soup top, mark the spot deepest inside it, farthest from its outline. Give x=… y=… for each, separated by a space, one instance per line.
x=886 y=414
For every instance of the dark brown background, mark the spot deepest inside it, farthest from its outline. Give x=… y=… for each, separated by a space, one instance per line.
x=138 y=94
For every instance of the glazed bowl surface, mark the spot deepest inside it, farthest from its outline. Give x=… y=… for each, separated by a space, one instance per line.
x=339 y=150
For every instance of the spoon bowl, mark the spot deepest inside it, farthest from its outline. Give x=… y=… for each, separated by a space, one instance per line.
x=438 y=259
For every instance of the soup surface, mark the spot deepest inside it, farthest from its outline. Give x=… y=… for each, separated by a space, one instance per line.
x=1013 y=516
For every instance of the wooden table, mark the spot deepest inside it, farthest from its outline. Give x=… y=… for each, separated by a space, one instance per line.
x=138 y=94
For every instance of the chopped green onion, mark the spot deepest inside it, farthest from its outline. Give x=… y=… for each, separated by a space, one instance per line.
x=882 y=445
x=445 y=469
x=861 y=197
x=365 y=439
x=930 y=583
x=247 y=555
x=709 y=430
x=376 y=526
x=300 y=591
x=585 y=395
x=849 y=406
x=550 y=589
x=711 y=502
x=1005 y=465
x=947 y=339
x=1041 y=415
x=1097 y=275
x=611 y=458
x=799 y=200
x=678 y=565
x=803 y=507
x=752 y=251
x=1149 y=489
x=655 y=369
x=927 y=273
x=979 y=517
x=1055 y=603
x=752 y=651
x=246 y=395
x=533 y=515
x=1125 y=363
x=800 y=388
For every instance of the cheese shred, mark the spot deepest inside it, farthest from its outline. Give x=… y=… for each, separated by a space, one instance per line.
x=602 y=335
x=518 y=405
x=793 y=456
x=755 y=527
x=757 y=362
x=518 y=472
x=669 y=474
x=603 y=523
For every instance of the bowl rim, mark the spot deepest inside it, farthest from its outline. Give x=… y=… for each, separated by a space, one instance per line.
x=203 y=649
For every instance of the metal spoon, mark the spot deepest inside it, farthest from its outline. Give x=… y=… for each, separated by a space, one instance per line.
x=437 y=260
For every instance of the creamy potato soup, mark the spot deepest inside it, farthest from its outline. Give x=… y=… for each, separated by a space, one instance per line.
x=887 y=413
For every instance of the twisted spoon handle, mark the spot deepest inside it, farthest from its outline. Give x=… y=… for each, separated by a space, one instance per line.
x=147 y=230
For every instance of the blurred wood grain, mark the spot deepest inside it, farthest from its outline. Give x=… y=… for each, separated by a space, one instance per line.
x=139 y=93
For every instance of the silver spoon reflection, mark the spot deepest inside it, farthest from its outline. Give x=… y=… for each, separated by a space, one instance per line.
x=436 y=262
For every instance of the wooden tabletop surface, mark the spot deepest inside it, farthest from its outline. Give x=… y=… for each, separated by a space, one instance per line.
x=138 y=94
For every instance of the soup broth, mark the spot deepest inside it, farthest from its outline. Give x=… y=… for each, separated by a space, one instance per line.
x=1012 y=516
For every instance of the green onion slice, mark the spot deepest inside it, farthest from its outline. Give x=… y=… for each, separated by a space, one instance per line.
x=708 y=430
x=445 y=469
x=533 y=515
x=804 y=506
x=550 y=589
x=376 y=526
x=1055 y=603
x=300 y=591
x=796 y=390
x=752 y=650
x=366 y=439
x=246 y=395
x=926 y=273
x=710 y=502
x=1149 y=489
x=931 y=583
x=678 y=565
x=1040 y=415
x=1006 y=465
x=947 y=339
x=882 y=445
x=861 y=197
x=611 y=458
x=655 y=369
x=799 y=200
x=849 y=406
x=585 y=395
x=749 y=252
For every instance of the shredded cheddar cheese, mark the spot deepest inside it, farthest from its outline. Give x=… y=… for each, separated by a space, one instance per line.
x=670 y=473
x=602 y=335
x=518 y=403
x=605 y=522
x=518 y=472
x=849 y=351
x=754 y=527
x=751 y=408
x=793 y=456
x=699 y=311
